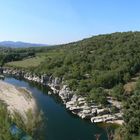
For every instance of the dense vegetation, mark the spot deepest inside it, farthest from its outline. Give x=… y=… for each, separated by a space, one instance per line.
x=131 y=129
x=105 y=61
x=5 y=123
x=95 y=65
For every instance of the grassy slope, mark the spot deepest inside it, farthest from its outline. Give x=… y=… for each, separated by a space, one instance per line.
x=29 y=62
x=34 y=61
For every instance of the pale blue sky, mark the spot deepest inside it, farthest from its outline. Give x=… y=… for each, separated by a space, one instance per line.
x=61 y=21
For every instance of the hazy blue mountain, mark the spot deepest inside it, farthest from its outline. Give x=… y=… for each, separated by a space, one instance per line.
x=19 y=44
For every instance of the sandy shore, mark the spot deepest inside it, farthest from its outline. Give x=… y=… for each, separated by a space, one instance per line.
x=18 y=100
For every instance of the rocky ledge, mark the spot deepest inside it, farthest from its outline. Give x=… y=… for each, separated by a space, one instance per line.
x=78 y=105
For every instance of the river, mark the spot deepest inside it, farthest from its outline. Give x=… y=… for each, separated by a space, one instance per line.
x=59 y=123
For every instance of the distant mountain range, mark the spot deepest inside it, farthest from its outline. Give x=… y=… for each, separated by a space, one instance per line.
x=19 y=44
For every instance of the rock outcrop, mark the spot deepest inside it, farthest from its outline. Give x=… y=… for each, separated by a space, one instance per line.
x=76 y=104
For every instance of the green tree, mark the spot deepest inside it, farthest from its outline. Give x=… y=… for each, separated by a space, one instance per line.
x=118 y=91
x=98 y=95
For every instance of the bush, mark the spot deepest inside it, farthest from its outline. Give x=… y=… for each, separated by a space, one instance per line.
x=98 y=95
x=118 y=91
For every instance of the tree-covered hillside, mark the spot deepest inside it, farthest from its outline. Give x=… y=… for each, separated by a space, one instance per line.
x=101 y=61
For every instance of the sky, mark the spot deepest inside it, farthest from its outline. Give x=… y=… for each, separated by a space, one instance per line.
x=63 y=21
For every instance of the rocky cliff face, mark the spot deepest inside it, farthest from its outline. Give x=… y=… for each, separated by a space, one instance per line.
x=76 y=104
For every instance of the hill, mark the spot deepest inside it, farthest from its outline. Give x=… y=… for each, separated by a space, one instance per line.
x=100 y=61
x=19 y=44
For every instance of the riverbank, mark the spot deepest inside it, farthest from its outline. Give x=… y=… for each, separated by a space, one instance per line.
x=19 y=101
x=78 y=105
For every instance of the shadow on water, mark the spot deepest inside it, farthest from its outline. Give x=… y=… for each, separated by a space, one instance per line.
x=58 y=123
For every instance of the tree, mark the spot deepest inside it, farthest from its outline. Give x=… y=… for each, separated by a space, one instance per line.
x=132 y=113
x=131 y=129
x=118 y=91
x=98 y=95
